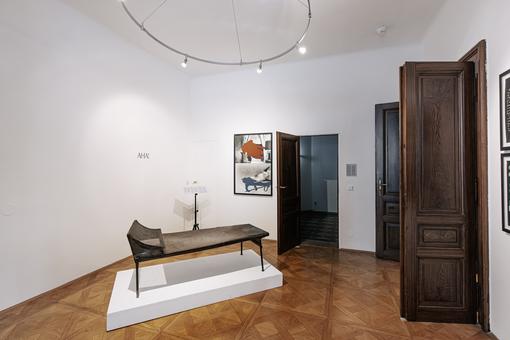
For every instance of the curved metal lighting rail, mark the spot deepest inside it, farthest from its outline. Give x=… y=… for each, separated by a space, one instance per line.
x=216 y=62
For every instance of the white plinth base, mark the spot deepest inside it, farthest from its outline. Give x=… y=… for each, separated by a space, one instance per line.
x=178 y=286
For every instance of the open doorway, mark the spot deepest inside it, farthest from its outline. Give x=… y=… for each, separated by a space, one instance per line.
x=290 y=210
x=319 y=190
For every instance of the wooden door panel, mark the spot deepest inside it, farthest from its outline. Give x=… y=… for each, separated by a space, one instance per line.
x=392 y=152
x=439 y=136
x=289 y=167
x=392 y=208
x=437 y=193
x=387 y=181
x=441 y=236
x=392 y=237
x=440 y=283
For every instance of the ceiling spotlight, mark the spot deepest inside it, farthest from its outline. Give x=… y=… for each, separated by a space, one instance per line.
x=184 y=64
x=259 y=69
x=302 y=49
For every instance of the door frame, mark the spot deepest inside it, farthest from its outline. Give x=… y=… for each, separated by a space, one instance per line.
x=478 y=55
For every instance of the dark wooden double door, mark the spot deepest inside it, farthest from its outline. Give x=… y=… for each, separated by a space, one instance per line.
x=425 y=190
x=437 y=190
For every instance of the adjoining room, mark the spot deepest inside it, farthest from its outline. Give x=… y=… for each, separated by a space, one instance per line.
x=319 y=190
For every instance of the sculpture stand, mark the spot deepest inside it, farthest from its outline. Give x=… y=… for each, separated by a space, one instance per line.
x=195 y=225
x=178 y=286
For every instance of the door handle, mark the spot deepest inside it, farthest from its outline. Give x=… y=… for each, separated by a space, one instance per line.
x=282 y=187
x=380 y=186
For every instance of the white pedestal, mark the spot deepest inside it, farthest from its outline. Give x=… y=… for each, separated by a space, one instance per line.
x=178 y=286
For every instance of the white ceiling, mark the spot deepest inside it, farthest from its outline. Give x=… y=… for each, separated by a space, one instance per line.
x=206 y=27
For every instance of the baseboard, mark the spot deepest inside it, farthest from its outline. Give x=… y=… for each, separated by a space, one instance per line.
x=8 y=309
x=347 y=250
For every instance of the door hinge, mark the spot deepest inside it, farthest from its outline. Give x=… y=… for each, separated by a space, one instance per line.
x=476 y=191
x=477 y=318
x=476 y=278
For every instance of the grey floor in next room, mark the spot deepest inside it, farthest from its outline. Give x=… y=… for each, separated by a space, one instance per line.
x=319 y=228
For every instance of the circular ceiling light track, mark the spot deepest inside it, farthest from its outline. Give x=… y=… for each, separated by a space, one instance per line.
x=188 y=56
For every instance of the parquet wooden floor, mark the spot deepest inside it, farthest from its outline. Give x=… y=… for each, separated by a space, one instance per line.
x=327 y=294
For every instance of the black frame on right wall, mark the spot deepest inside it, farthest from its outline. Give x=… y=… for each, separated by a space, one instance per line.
x=504 y=121
x=505 y=192
x=504 y=107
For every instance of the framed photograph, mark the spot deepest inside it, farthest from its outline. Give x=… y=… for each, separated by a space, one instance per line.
x=505 y=191
x=504 y=102
x=253 y=164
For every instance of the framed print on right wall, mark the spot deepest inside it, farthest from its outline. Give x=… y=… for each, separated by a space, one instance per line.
x=504 y=102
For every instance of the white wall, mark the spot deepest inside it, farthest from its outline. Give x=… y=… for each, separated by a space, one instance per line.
x=329 y=95
x=457 y=28
x=76 y=106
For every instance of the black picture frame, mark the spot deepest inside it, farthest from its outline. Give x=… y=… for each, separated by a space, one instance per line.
x=504 y=108
x=505 y=192
x=250 y=186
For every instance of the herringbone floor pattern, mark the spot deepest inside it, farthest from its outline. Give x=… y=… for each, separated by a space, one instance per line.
x=327 y=294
